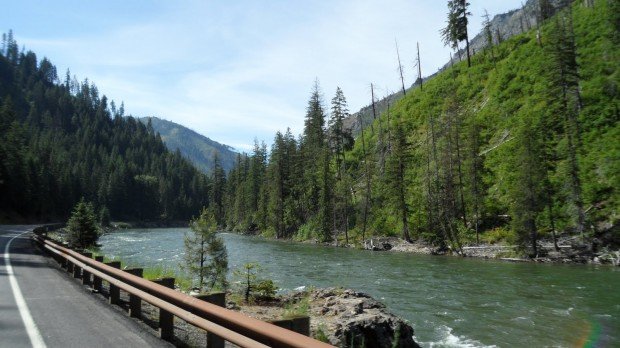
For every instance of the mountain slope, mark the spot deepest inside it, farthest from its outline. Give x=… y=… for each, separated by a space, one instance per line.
x=196 y=147
x=60 y=142
x=522 y=144
x=507 y=25
x=494 y=147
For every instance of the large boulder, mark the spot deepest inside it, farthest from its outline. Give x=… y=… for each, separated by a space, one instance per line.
x=353 y=319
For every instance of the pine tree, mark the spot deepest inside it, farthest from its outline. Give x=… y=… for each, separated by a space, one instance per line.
x=206 y=257
x=488 y=34
x=340 y=141
x=396 y=178
x=325 y=211
x=456 y=28
x=82 y=230
x=528 y=182
x=565 y=80
x=277 y=177
x=312 y=146
x=217 y=190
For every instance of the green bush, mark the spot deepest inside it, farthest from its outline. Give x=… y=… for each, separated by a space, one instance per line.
x=265 y=289
x=499 y=235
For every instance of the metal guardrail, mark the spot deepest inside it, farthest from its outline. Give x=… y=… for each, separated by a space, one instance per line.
x=231 y=326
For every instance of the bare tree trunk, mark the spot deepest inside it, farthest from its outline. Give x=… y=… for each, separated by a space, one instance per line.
x=467 y=49
x=380 y=145
x=202 y=262
x=400 y=68
x=419 y=66
x=367 y=196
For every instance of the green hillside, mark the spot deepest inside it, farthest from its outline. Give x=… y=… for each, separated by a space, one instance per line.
x=199 y=149
x=61 y=141
x=491 y=144
x=522 y=143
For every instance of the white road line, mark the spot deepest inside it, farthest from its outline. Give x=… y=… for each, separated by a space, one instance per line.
x=31 y=328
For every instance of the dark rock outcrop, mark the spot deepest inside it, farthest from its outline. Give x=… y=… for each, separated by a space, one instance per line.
x=354 y=319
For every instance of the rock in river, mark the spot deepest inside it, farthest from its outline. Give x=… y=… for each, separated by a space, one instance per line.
x=354 y=319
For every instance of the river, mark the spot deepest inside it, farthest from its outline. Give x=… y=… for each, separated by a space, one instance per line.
x=450 y=301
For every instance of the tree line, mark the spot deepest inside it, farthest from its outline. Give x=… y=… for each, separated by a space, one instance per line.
x=61 y=141
x=489 y=149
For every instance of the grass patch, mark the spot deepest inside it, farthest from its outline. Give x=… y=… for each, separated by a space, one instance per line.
x=298 y=309
x=499 y=235
x=320 y=334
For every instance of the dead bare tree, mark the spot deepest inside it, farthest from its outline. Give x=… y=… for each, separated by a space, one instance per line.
x=419 y=66
x=400 y=68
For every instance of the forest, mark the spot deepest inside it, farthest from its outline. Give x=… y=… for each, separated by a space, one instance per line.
x=516 y=142
x=513 y=143
x=61 y=141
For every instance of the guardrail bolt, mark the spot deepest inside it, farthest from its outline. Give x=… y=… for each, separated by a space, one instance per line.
x=218 y=299
x=135 y=302
x=97 y=280
x=115 y=291
x=166 y=319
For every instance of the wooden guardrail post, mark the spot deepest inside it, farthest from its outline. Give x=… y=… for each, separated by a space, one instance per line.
x=218 y=299
x=69 y=266
x=77 y=271
x=166 y=319
x=86 y=274
x=97 y=280
x=300 y=324
x=115 y=292
x=135 y=302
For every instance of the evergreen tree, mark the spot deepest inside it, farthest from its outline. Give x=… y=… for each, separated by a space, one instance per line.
x=217 y=190
x=325 y=212
x=564 y=76
x=545 y=10
x=528 y=183
x=60 y=142
x=456 y=28
x=396 y=179
x=82 y=230
x=312 y=147
x=206 y=257
x=488 y=34
x=104 y=217
x=340 y=141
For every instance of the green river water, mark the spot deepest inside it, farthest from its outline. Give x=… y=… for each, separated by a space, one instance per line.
x=450 y=301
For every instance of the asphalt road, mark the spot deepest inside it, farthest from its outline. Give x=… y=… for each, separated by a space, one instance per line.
x=42 y=306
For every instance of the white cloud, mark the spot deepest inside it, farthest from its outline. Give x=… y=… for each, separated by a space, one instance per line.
x=236 y=71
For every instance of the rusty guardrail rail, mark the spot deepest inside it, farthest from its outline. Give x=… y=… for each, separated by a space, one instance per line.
x=229 y=325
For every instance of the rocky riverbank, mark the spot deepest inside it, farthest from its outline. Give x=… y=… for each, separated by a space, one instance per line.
x=604 y=249
x=342 y=317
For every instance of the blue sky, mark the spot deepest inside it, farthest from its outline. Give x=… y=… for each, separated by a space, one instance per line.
x=236 y=70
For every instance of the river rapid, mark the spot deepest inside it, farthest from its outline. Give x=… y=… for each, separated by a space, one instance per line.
x=450 y=301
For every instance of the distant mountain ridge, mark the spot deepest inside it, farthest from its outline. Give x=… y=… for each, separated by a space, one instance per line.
x=507 y=24
x=198 y=148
